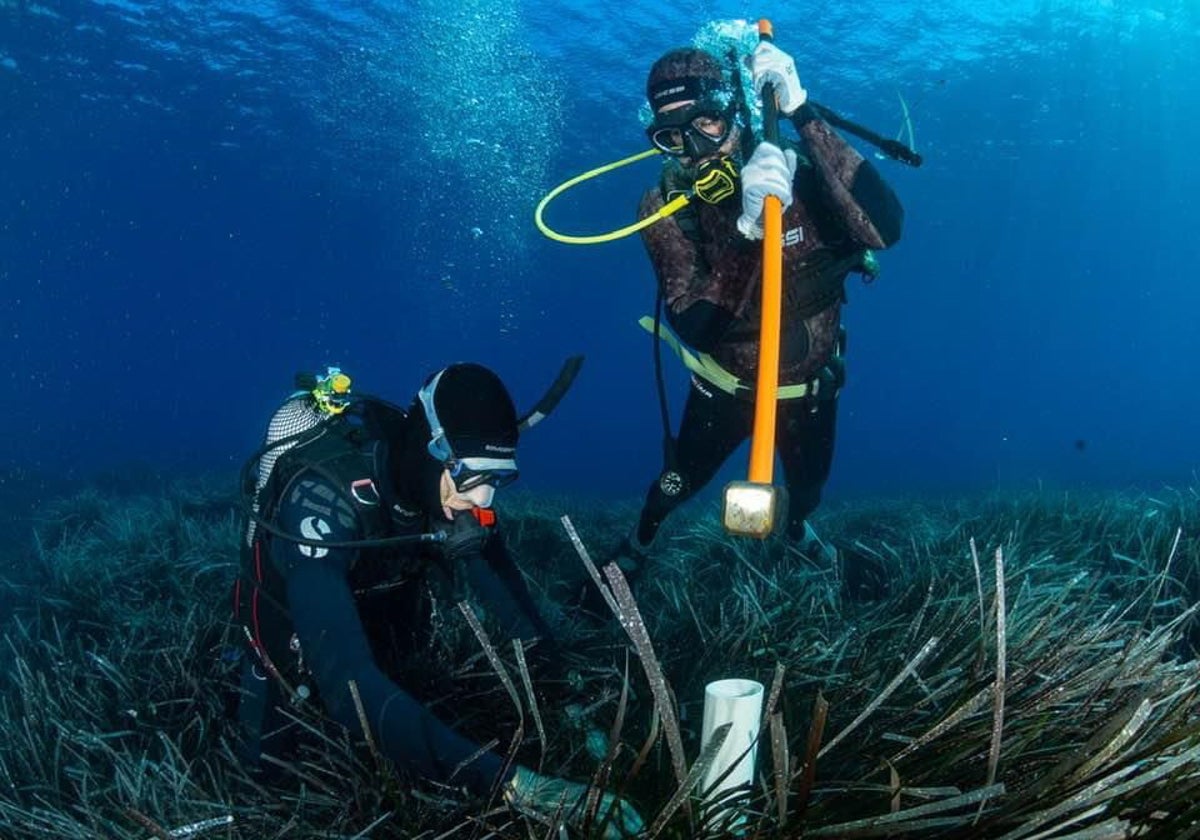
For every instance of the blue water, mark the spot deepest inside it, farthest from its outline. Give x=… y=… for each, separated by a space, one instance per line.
x=199 y=199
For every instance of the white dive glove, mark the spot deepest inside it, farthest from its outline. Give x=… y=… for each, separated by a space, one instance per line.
x=771 y=64
x=769 y=171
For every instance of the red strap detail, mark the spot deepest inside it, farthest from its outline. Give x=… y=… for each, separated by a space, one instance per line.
x=485 y=516
x=256 y=641
x=237 y=598
x=257 y=636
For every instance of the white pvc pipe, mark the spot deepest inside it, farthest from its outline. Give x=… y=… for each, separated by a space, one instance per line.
x=737 y=702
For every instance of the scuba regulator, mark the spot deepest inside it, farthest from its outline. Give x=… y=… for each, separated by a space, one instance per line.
x=330 y=392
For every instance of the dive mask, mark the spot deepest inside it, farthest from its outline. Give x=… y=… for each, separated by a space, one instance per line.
x=694 y=131
x=469 y=473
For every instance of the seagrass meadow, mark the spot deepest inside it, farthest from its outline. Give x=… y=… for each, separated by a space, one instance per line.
x=1005 y=666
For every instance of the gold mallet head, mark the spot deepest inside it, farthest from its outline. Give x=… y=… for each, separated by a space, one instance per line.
x=749 y=509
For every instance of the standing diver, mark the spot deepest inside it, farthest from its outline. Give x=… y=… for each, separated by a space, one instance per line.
x=707 y=258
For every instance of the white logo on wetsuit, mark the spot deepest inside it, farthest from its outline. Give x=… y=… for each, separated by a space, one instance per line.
x=700 y=386
x=313 y=528
x=793 y=237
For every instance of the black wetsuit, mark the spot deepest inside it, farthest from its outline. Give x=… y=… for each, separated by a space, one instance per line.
x=709 y=277
x=714 y=424
x=325 y=617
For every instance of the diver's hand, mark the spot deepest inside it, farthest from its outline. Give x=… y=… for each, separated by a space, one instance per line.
x=595 y=741
x=537 y=795
x=464 y=538
x=769 y=171
x=769 y=64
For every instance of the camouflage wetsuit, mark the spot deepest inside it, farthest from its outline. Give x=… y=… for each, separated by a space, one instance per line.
x=709 y=276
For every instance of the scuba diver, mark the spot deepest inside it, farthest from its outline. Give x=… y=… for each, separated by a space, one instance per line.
x=707 y=257
x=357 y=508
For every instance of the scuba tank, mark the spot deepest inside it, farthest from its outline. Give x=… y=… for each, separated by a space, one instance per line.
x=328 y=396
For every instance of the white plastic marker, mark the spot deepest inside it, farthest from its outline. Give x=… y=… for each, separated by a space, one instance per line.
x=737 y=702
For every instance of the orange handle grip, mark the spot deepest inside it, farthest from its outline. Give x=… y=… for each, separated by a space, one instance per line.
x=762 y=444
